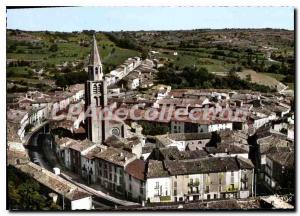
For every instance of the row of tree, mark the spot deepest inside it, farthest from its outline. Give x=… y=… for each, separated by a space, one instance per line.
x=192 y=77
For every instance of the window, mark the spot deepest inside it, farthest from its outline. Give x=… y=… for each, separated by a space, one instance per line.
x=207 y=189
x=175 y=184
x=156 y=185
x=175 y=192
x=232 y=186
x=130 y=187
x=129 y=177
x=215 y=196
x=96 y=70
x=95 y=88
x=232 y=173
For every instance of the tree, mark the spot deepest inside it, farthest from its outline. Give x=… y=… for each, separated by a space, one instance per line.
x=144 y=53
x=274 y=68
x=53 y=48
x=24 y=193
x=150 y=129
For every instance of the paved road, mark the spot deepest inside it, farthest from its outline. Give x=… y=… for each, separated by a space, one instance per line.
x=36 y=155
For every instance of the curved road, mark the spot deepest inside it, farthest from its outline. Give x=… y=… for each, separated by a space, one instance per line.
x=36 y=154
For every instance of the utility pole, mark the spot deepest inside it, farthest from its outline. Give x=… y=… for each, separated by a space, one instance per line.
x=63 y=202
x=255 y=182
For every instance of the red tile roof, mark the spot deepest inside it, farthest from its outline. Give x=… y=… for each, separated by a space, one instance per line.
x=136 y=169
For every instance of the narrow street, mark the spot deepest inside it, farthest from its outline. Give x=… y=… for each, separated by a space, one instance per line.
x=36 y=153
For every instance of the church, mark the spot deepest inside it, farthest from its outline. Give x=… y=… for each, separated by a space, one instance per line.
x=98 y=129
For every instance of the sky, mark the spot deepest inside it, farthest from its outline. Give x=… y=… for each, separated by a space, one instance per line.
x=149 y=18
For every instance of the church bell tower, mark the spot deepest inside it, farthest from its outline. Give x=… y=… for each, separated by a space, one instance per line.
x=95 y=97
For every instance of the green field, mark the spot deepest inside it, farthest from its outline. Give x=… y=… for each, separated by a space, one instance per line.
x=71 y=47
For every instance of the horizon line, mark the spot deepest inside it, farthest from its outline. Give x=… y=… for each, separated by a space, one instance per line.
x=244 y=28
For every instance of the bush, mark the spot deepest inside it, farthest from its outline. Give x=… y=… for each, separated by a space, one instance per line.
x=53 y=48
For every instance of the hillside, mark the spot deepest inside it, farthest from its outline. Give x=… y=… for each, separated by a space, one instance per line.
x=38 y=59
x=41 y=59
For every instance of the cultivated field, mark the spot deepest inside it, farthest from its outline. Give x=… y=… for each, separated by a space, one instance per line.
x=261 y=78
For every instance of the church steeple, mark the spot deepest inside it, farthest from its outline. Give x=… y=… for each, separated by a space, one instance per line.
x=95 y=65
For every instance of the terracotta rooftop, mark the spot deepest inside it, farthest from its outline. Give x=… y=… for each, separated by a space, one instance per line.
x=115 y=156
x=286 y=159
x=52 y=181
x=207 y=165
x=156 y=169
x=136 y=169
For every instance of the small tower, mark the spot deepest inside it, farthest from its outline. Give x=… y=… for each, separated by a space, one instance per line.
x=95 y=66
x=95 y=97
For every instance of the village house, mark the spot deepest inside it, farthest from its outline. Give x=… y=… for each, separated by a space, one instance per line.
x=88 y=168
x=280 y=172
x=19 y=119
x=182 y=141
x=132 y=80
x=265 y=144
x=132 y=144
x=110 y=168
x=172 y=153
x=135 y=180
x=73 y=152
x=228 y=150
x=199 y=179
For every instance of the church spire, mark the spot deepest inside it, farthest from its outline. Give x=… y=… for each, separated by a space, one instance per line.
x=95 y=65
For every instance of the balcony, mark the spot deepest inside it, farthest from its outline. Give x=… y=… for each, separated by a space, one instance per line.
x=244 y=179
x=232 y=189
x=193 y=184
x=165 y=198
